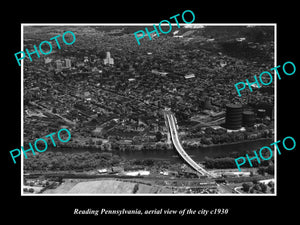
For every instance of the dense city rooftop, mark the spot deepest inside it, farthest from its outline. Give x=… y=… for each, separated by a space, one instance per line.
x=120 y=106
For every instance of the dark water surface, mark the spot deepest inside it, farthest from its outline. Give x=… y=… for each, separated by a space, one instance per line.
x=239 y=149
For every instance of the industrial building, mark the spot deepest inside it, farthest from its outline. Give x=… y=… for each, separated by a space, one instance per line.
x=248 y=118
x=234 y=116
x=68 y=63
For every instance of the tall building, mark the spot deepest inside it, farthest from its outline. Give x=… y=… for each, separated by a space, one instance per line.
x=58 y=65
x=108 y=60
x=234 y=116
x=68 y=63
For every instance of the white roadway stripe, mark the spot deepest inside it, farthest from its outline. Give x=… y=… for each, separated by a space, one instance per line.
x=180 y=148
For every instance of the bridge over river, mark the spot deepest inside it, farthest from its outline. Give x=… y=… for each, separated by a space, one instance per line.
x=172 y=126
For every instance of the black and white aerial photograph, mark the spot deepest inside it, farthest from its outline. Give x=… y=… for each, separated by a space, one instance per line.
x=158 y=117
x=150 y=111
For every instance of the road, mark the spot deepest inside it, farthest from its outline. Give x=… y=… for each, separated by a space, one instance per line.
x=174 y=135
x=54 y=114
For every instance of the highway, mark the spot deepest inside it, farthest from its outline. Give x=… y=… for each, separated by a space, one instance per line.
x=174 y=135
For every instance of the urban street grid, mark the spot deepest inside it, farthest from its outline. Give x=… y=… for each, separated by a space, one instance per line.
x=162 y=117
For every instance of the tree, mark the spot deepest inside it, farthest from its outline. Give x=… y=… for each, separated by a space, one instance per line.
x=135 y=188
x=261 y=171
x=223 y=138
x=115 y=160
x=246 y=187
x=158 y=136
x=270 y=170
x=216 y=139
x=90 y=142
x=257 y=187
x=98 y=142
x=264 y=187
x=59 y=179
x=271 y=184
x=205 y=141
x=209 y=130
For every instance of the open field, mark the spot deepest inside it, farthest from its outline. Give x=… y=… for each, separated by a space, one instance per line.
x=62 y=189
x=104 y=186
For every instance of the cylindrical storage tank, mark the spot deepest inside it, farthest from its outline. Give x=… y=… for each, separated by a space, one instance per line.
x=248 y=118
x=261 y=113
x=234 y=116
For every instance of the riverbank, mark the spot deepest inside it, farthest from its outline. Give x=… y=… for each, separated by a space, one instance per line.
x=60 y=159
x=92 y=148
x=235 y=143
x=198 y=154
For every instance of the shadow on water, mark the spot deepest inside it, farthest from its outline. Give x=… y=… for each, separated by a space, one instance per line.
x=230 y=150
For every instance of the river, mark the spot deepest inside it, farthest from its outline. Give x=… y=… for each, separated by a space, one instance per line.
x=197 y=155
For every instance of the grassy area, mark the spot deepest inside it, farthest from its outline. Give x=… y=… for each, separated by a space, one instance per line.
x=67 y=185
x=248 y=179
x=102 y=187
x=105 y=186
